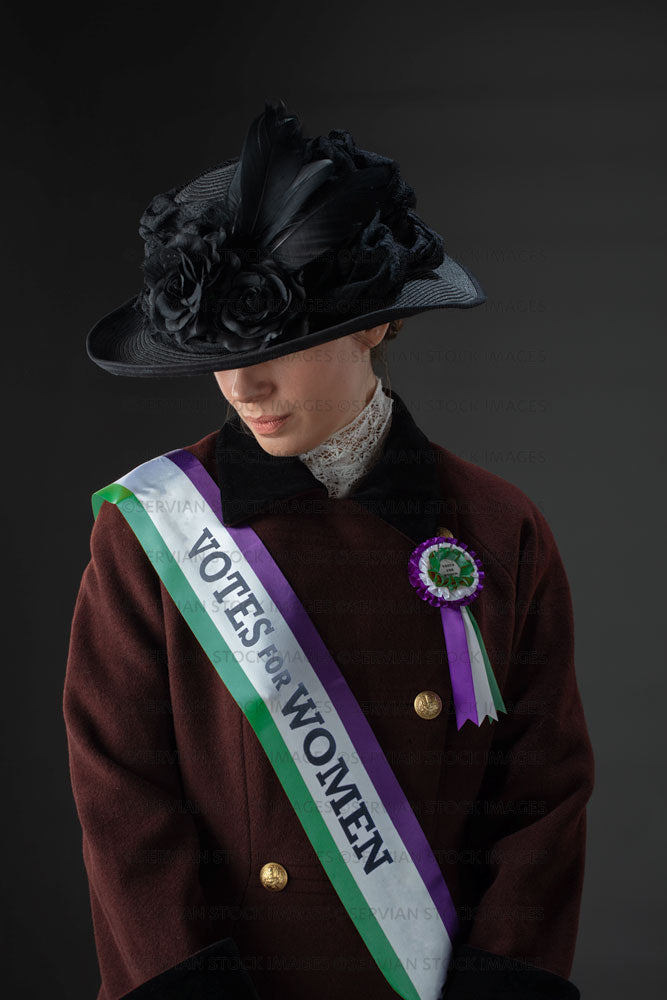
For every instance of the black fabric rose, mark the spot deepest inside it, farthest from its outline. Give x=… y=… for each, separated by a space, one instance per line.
x=175 y=277
x=250 y=303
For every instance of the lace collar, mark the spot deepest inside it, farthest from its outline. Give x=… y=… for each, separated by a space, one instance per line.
x=343 y=458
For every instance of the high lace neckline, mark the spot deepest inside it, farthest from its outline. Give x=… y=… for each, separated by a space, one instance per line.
x=346 y=455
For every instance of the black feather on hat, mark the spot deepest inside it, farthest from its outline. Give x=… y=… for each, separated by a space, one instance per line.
x=293 y=244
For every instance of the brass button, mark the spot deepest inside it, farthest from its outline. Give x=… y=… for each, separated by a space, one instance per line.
x=445 y=533
x=428 y=704
x=273 y=876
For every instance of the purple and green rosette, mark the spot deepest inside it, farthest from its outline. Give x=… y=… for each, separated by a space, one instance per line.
x=446 y=573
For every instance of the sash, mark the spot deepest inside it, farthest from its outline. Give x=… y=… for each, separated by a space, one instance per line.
x=268 y=654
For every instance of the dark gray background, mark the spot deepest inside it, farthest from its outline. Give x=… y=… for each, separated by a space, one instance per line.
x=533 y=134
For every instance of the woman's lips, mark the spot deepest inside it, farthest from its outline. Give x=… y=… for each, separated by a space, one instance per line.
x=265 y=426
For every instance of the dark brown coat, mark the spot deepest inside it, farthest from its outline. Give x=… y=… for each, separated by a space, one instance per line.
x=180 y=806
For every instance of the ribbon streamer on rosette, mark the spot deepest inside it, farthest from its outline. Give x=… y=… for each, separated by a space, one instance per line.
x=448 y=574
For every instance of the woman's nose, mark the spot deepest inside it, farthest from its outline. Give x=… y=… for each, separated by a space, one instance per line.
x=247 y=386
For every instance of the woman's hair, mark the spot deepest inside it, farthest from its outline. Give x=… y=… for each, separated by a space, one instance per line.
x=378 y=354
x=394 y=327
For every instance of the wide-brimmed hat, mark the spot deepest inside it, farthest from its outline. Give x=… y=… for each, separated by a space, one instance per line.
x=294 y=243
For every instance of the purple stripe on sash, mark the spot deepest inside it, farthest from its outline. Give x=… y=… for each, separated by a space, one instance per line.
x=354 y=720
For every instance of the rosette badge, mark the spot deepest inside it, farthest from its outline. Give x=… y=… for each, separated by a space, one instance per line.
x=444 y=570
x=447 y=574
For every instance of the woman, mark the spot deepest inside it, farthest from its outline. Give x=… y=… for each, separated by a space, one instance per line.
x=290 y=634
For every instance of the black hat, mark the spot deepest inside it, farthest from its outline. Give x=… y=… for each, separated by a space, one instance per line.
x=293 y=244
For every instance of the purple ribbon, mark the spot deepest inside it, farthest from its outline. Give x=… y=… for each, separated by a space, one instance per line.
x=460 y=667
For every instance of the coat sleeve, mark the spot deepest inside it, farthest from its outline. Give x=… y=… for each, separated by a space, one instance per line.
x=528 y=828
x=139 y=849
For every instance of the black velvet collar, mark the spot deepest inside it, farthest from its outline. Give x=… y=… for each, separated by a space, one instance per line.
x=401 y=486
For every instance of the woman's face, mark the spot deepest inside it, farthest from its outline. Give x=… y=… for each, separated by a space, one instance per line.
x=316 y=391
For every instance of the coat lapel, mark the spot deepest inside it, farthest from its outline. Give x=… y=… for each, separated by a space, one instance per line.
x=401 y=487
